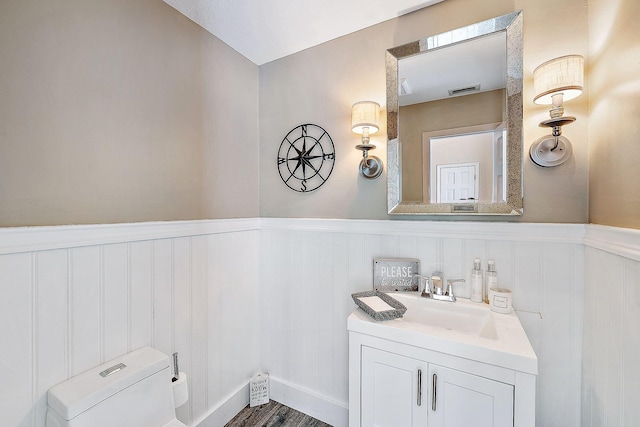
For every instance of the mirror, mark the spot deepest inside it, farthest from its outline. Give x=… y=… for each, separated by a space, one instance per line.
x=454 y=121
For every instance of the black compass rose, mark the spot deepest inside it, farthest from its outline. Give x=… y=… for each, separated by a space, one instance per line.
x=306 y=158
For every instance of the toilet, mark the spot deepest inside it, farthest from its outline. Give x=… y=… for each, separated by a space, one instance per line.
x=133 y=390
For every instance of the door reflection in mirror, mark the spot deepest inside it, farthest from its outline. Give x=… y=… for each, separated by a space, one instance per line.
x=463 y=167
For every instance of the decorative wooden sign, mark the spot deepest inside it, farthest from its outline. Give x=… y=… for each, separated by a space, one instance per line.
x=258 y=390
x=395 y=274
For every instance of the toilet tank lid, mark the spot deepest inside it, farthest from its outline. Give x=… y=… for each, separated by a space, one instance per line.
x=77 y=394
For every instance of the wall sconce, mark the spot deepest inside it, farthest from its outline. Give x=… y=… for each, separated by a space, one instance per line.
x=365 y=116
x=556 y=81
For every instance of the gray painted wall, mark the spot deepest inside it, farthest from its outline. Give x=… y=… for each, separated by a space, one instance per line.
x=122 y=111
x=614 y=152
x=126 y=112
x=320 y=84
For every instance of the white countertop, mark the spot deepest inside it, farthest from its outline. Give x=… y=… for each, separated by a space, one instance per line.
x=499 y=340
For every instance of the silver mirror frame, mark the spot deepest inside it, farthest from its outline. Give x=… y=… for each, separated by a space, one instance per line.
x=512 y=25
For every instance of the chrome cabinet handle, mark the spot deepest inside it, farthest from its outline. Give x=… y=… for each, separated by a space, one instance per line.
x=419 y=387
x=434 y=387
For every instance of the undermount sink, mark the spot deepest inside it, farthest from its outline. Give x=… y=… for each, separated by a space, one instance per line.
x=462 y=328
x=462 y=317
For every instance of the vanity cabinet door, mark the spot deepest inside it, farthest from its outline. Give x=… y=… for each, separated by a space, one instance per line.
x=391 y=394
x=460 y=399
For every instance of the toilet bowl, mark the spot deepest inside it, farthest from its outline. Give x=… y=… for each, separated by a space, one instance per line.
x=133 y=390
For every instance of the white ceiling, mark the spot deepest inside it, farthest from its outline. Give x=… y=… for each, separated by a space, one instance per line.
x=265 y=30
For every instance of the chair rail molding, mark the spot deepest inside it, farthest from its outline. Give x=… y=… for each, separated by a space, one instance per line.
x=620 y=241
x=32 y=239
x=510 y=231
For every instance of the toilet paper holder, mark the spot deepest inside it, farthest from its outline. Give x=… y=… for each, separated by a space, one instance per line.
x=176 y=371
x=180 y=387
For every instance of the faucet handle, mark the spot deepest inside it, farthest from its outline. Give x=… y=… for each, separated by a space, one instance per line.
x=426 y=291
x=450 y=283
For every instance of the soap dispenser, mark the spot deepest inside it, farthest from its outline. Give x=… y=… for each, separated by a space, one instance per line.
x=491 y=279
x=476 y=282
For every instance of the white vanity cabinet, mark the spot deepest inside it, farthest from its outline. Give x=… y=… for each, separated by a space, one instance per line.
x=391 y=392
x=399 y=379
x=462 y=399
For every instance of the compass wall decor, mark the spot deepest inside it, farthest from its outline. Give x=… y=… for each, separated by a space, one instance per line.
x=306 y=158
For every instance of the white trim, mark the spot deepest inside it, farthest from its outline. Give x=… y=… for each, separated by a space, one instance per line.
x=516 y=231
x=619 y=241
x=224 y=412
x=310 y=403
x=31 y=239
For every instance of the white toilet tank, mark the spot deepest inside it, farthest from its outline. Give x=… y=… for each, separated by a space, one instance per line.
x=133 y=390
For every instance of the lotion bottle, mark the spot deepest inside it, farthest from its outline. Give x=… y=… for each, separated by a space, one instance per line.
x=491 y=279
x=476 y=282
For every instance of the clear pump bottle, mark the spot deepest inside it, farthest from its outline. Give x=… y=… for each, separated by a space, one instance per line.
x=491 y=279
x=476 y=282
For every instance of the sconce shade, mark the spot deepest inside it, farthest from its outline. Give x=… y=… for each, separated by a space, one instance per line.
x=365 y=114
x=560 y=75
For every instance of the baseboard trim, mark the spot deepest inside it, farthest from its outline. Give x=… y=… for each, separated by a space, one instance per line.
x=308 y=402
x=225 y=410
x=305 y=401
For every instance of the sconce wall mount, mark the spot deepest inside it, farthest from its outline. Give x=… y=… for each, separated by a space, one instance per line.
x=365 y=118
x=558 y=80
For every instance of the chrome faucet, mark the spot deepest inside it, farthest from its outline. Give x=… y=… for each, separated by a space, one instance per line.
x=436 y=282
x=436 y=290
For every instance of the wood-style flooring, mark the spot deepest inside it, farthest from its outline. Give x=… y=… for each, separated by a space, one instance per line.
x=273 y=414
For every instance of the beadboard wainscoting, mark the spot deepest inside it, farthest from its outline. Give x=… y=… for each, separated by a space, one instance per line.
x=611 y=350
x=72 y=297
x=311 y=267
x=235 y=297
